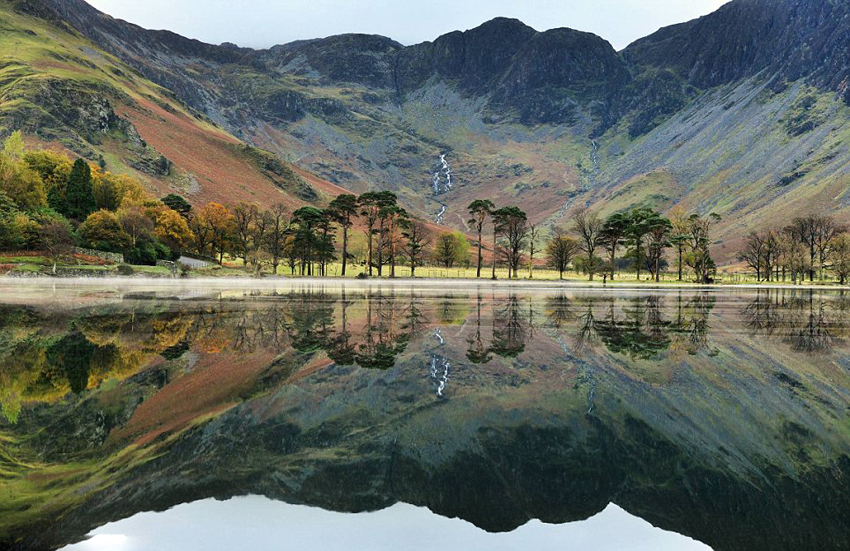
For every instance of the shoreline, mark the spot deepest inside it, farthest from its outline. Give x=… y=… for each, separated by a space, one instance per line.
x=425 y=283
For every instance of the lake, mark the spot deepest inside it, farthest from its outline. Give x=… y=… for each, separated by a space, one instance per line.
x=422 y=416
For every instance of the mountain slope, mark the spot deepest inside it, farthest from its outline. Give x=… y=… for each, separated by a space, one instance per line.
x=62 y=90
x=743 y=112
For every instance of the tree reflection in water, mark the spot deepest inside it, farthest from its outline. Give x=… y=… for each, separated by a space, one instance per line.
x=547 y=405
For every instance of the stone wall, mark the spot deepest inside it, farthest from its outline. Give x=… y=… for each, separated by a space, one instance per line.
x=116 y=258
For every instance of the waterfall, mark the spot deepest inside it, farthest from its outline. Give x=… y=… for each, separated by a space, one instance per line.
x=441 y=183
x=440 y=366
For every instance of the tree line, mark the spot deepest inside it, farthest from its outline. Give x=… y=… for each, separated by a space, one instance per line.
x=810 y=246
x=591 y=243
x=52 y=204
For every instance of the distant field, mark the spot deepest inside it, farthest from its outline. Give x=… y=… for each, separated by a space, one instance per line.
x=33 y=263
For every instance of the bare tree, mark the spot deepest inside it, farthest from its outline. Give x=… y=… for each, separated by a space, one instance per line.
x=560 y=251
x=839 y=256
x=57 y=241
x=511 y=225
x=277 y=231
x=417 y=238
x=533 y=234
x=587 y=226
x=826 y=230
x=753 y=252
x=244 y=218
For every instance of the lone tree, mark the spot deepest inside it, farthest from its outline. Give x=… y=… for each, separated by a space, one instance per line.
x=480 y=210
x=448 y=249
x=587 y=226
x=343 y=209
x=511 y=223
x=58 y=242
x=560 y=251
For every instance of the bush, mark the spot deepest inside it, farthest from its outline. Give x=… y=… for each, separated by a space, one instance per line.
x=362 y=275
x=126 y=270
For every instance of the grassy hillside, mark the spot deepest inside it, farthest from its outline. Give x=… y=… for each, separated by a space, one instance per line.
x=64 y=91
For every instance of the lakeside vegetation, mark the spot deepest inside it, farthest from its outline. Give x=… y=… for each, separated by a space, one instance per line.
x=50 y=206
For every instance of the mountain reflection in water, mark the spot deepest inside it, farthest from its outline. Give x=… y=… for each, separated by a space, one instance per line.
x=719 y=415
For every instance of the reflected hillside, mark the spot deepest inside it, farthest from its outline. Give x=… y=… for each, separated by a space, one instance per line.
x=692 y=410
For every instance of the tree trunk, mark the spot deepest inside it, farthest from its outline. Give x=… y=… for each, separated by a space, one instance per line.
x=494 y=254
x=344 y=249
x=680 y=262
x=478 y=271
x=370 y=251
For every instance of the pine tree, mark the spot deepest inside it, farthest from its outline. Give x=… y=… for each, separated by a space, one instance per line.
x=79 y=196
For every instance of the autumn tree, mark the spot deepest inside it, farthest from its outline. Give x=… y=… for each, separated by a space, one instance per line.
x=102 y=230
x=217 y=222
x=17 y=180
x=172 y=230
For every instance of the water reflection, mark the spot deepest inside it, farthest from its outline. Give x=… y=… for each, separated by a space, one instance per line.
x=719 y=415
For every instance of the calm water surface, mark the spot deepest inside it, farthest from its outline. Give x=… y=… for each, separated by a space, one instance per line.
x=302 y=415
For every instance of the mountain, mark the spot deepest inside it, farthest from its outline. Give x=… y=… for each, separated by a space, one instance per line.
x=66 y=92
x=743 y=112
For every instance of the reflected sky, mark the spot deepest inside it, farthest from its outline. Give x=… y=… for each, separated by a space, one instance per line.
x=259 y=523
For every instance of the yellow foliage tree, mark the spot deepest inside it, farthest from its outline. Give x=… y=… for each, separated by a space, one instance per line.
x=172 y=230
